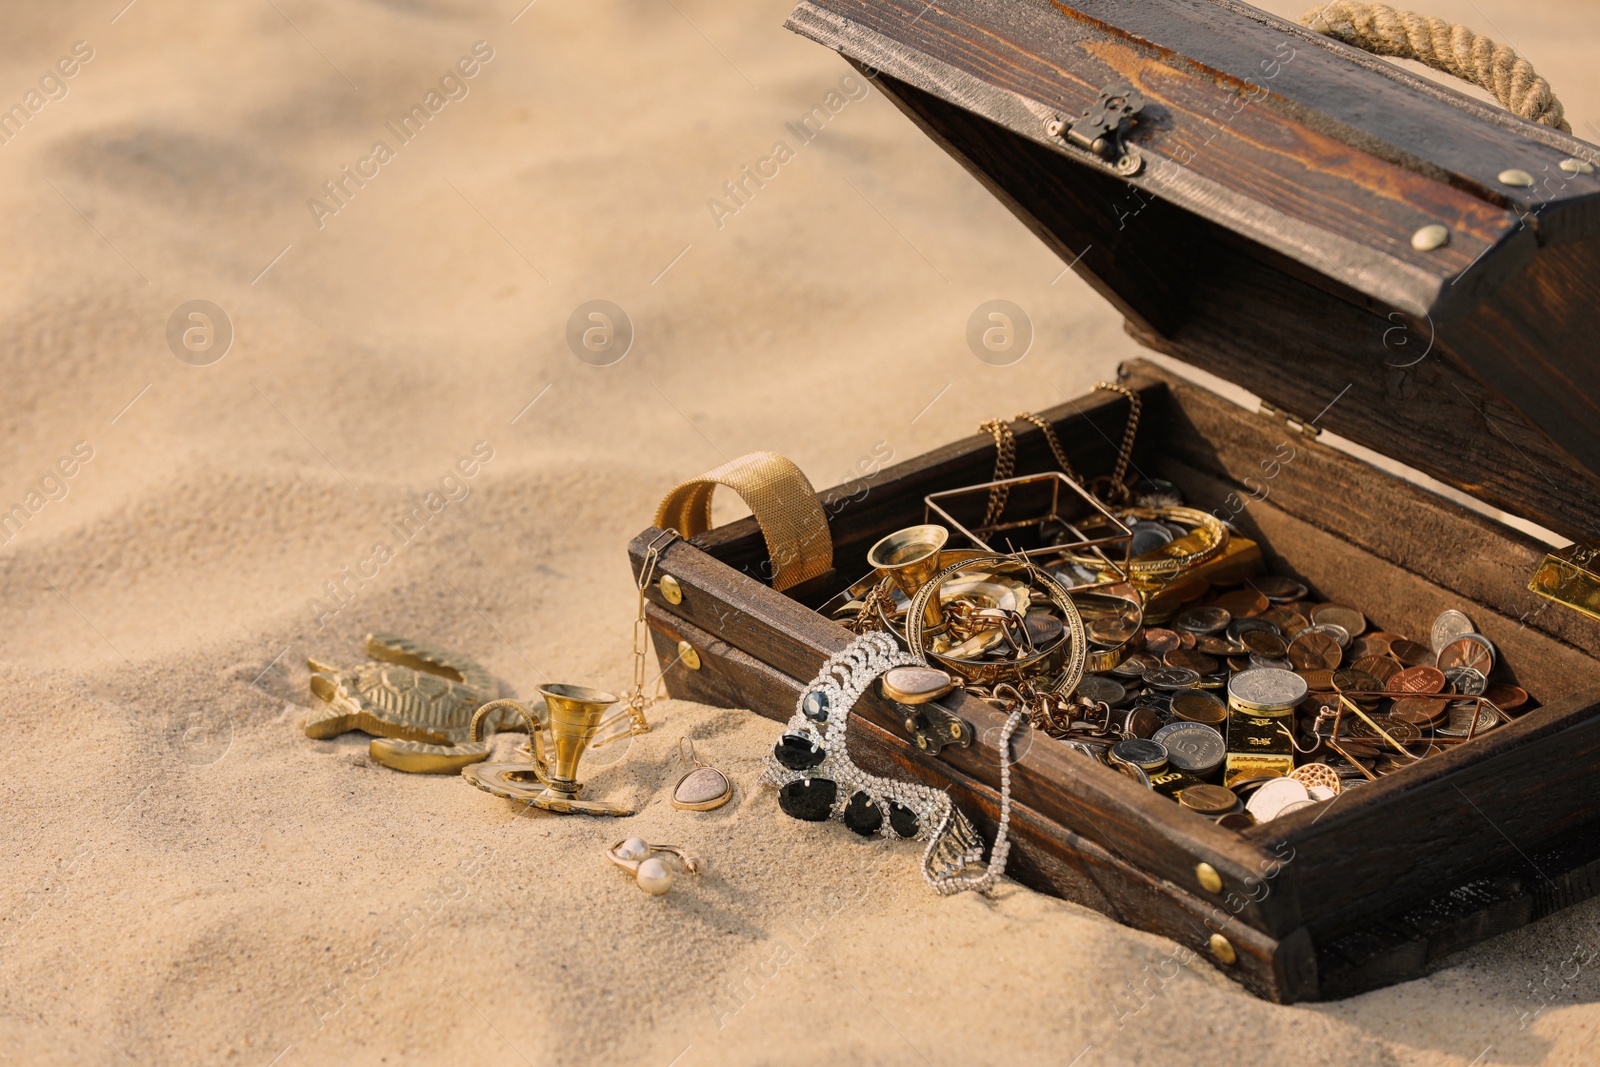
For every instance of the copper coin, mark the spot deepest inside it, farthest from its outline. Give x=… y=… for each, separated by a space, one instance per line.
x=1219 y=646
x=1418 y=711
x=1238 y=663
x=1412 y=654
x=1505 y=697
x=1370 y=646
x=1341 y=615
x=1242 y=603
x=1380 y=667
x=1189 y=659
x=1403 y=732
x=1386 y=637
x=1159 y=642
x=1208 y=799
x=1236 y=820
x=1276 y=589
x=1315 y=651
x=1418 y=680
x=1318 y=679
x=1469 y=651
x=1351 y=680
x=1290 y=622
x=1264 y=643
x=1198 y=706
x=1186 y=639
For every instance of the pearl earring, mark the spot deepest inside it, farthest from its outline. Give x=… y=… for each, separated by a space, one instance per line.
x=654 y=874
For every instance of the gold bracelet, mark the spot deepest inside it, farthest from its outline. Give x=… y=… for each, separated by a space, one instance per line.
x=783 y=502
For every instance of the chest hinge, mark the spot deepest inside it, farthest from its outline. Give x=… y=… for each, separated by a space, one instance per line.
x=1290 y=420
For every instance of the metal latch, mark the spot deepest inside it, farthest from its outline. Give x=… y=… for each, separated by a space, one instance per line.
x=1290 y=420
x=932 y=727
x=1102 y=127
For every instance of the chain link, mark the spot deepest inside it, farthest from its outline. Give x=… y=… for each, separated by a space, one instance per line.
x=637 y=701
x=1005 y=446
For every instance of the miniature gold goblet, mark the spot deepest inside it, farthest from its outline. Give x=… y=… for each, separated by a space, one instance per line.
x=573 y=714
x=910 y=557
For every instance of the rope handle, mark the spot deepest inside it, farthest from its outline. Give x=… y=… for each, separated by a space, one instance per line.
x=1446 y=46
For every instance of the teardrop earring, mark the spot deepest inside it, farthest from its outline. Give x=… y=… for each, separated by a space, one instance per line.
x=703 y=787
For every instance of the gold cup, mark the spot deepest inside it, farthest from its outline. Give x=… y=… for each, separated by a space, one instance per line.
x=572 y=715
x=909 y=558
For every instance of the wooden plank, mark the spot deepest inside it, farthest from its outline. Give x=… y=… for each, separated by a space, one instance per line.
x=1363 y=102
x=1045 y=855
x=1456 y=549
x=863 y=511
x=1396 y=949
x=1143 y=829
x=1427 y=411
x=1257 y=172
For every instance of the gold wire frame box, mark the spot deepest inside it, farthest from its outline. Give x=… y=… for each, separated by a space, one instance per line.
x=935 y=505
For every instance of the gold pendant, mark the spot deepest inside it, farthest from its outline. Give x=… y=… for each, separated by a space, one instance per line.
x=415 y=699
x=703 y=788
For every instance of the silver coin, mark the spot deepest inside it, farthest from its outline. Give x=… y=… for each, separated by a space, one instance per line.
x=1239 y=627
x=1170 y=678
x=1449 y=626
x=1207 y=620
x=1333 y=630
x=1266 y=687
x=1468 y=681
x=1129 y=668
x=1461 y=720
x=1149 y=536
x=1274 y=663
x=1098 y=688
x=1141 y=753
x=1192 y=746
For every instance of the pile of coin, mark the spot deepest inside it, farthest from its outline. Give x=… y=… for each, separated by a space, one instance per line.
x=1254 y=701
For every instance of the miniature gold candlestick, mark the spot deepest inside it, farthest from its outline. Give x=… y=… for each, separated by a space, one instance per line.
x=573 y=713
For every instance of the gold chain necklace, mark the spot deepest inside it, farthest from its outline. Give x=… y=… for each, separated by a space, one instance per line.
x=1005 y=447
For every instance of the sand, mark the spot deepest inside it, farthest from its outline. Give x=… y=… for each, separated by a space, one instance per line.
x=187 y=878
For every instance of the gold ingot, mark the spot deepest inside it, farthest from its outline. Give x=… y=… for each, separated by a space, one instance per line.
x=671 y=589
x=1222 y=949
x=1571 y=577
x=573 y=714
x=1208 y=877
x=909 y=558
x=688 y=655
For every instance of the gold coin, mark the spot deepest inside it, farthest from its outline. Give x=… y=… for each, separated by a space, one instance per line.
x=1208 y=799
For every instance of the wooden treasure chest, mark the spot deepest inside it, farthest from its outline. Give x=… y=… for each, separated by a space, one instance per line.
x=1369 y=254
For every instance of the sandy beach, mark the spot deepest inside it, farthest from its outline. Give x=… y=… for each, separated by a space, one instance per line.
x=187 y=878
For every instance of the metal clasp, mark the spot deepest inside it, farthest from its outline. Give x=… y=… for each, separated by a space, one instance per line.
x=1102 y=127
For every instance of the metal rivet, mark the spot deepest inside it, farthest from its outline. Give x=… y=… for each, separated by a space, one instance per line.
x=1430 y=237
x=922 y=742
x=1577 y=166
x=1222 y=949
x=1208 y=877
x=911 y=726
x=1054 y=127
x=1519 y=178
x=690 y=657
x=671 y=589
x=955 y=730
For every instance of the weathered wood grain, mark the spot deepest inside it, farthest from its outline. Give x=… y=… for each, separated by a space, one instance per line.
x=1259 y=172
x=1483 y=561
x=1139 y=827
x=1045 y=855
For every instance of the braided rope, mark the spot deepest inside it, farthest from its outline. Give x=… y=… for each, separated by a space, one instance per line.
x=1447 y=46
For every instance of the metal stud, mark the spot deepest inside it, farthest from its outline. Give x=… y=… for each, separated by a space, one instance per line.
x=1577 y=166
x=688 y=655
x=1430 y=237
x=1521 y=179
x=1208 y=877
x=1222 y=949
x=671 y=589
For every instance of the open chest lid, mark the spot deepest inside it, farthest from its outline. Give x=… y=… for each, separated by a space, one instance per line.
x=1270 y=213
